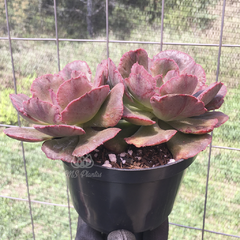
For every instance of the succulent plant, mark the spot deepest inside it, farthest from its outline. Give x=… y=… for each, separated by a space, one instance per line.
x=167 y=97
x=143 y=101
x=72 y=115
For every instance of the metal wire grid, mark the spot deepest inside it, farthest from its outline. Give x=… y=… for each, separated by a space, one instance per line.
x=107 y=41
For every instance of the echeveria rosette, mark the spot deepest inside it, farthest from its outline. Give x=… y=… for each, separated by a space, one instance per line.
x=167 y=97
x=72 y=114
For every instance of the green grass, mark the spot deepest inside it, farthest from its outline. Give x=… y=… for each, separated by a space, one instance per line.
x=46 y=177
x=46 y=183
x=223 y=203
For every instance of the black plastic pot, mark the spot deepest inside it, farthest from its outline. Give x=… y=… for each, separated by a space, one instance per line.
x=133 y=199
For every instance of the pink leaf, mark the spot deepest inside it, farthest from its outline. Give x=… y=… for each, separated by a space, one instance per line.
x=183 y=84
x=93 y=139
x=101 y=76
x=17 y=102
x=218 y=100
x=42 y=111
x=41 y=87
x=184 y=146
x=60 y=130
x=26 y=134
x=138 y=117
x=195 y=125
x=141 y=85
x=79 y=66
x=186 y=65
x=118 y=144
x=159 y=82
x=163 y=66
x=210 y=92
x=139 y=56
x=85 y=108
x=76 y=74
x=197 y=71
x=171 y=74
x=61 y=149
x=176 y=107
x=221 y=117
x=114 y=75
x=53 y=97
x=183 y=60
x=112 y=109
x=150 y=136
x=72 y=89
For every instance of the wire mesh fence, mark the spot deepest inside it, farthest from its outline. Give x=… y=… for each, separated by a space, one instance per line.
x=42 y=36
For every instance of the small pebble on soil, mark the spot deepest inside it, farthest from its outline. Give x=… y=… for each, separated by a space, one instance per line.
x=134 y=158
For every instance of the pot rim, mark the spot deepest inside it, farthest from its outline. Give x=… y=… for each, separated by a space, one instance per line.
x=132 y=176
x=141 y=169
